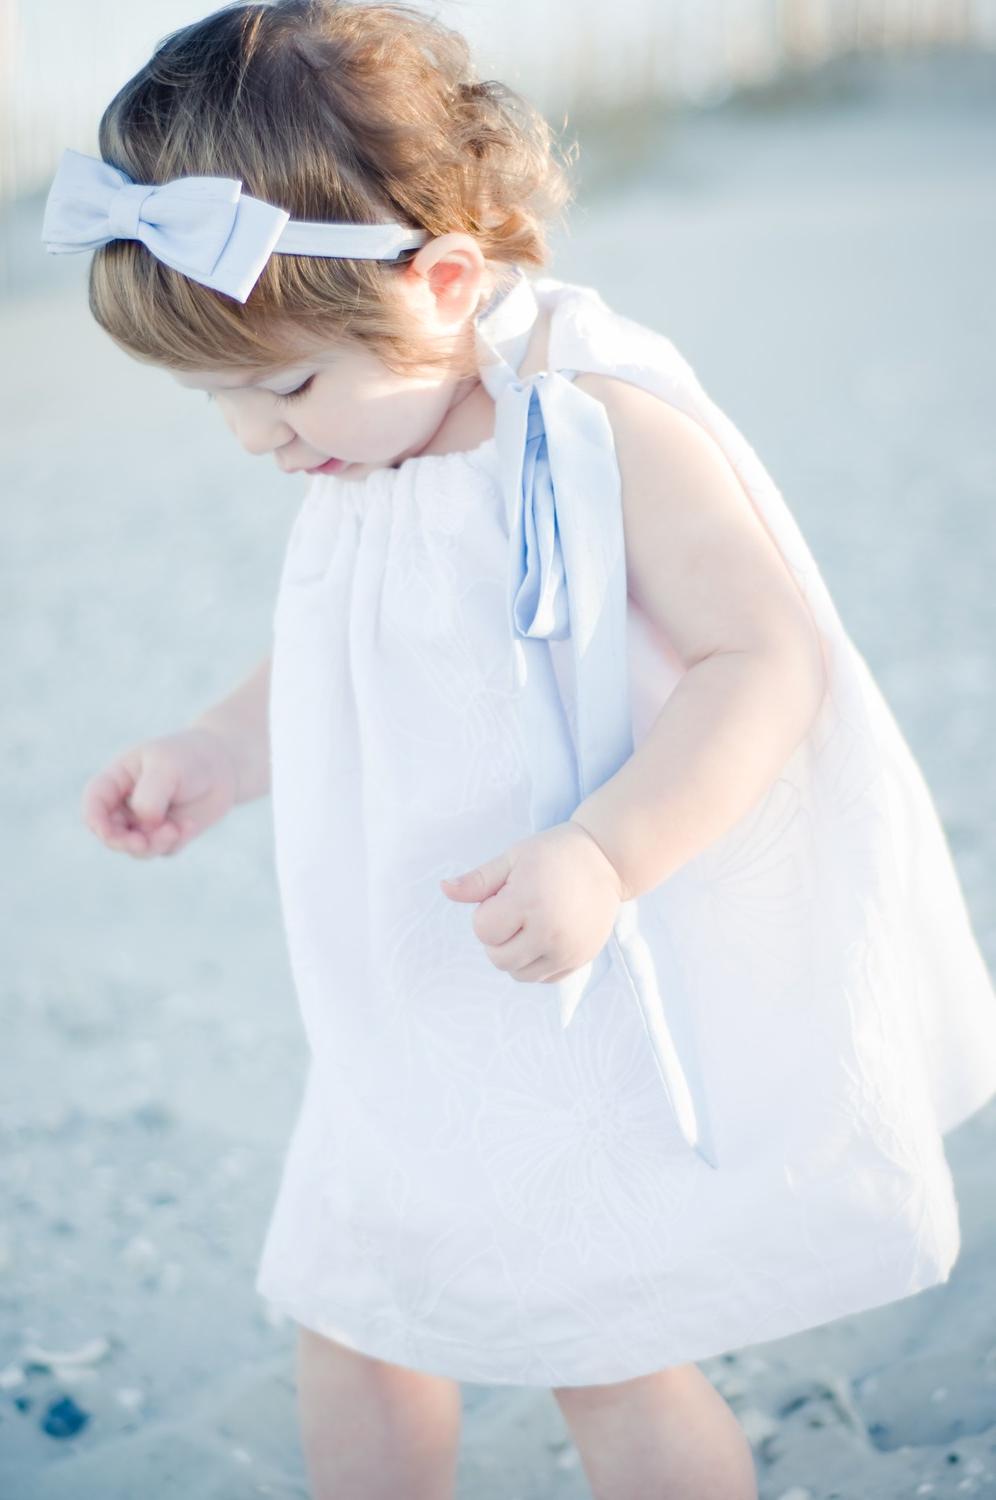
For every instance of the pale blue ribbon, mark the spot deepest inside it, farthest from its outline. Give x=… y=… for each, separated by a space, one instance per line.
x=205 y=227
x=567 y=580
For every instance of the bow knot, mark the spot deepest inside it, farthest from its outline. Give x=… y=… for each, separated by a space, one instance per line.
x=124 y=209
x=204 y=227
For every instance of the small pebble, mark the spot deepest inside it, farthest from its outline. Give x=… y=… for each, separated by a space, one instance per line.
x=10 y=1377
x=139 y=1252
x=130 y=1397
x=796 y=1493
x=85 y=1354
x=926 y=1488
x=757 y=1424
x=153 y=1116
x=64 y=1418
x=75 y=1374
x=940 y=1394
x=569 y=1459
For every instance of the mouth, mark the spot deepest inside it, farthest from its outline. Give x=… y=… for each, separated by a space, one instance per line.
x=330 y=466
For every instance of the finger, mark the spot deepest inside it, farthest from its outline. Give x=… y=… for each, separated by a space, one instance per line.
x=477 y=884
x=515 y=953
x=499 y=917
x=164 y=839
x=153 y=791
x=128 y=841
x=102 y=795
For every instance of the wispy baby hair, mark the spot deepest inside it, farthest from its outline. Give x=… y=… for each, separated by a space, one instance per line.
x=335 y=111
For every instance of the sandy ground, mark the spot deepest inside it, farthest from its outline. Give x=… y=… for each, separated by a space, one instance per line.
x=825 y=260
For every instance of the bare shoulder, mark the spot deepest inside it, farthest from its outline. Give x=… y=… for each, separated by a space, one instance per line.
x=700 y=561
x=636 y=412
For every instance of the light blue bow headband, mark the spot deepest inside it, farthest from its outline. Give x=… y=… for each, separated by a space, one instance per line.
x=205 y=227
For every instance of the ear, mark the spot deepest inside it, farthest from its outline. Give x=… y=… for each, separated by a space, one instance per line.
x=447 y=278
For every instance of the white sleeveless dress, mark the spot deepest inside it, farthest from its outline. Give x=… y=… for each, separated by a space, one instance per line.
x=729 y=1127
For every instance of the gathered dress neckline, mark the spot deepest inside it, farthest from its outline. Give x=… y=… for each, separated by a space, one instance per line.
x=477 y=456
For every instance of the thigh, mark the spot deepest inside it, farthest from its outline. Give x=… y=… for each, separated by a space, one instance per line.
x=328 y=1367
x=668 y=1433
x=373 y=1430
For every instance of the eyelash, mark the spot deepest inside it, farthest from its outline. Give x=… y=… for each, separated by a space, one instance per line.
x=290 y=396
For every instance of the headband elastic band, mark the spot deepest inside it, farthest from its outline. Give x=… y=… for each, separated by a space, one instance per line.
x=204 y=227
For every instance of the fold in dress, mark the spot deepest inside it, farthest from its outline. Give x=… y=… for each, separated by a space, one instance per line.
x=730 y=1128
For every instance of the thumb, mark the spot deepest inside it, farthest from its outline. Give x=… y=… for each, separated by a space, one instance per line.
x=152 y=793
x=479 y=883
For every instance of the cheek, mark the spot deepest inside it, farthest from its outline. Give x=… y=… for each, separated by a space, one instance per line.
x=346 y=415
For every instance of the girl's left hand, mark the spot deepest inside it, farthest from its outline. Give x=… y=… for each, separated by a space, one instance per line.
x=547 y=905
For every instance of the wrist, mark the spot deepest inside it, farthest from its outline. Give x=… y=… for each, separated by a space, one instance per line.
x=222 y=738
x=597 y=839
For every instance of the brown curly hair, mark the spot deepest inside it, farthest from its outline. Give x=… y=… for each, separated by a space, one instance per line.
x=334 y=111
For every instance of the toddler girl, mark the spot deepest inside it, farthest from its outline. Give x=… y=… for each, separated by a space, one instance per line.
x=556 y=695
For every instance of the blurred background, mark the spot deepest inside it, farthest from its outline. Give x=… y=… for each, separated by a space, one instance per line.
x=63 y=59
x=802 y=195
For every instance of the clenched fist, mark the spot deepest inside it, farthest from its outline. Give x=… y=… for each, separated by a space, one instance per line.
x=547 y=905
x=157 y=796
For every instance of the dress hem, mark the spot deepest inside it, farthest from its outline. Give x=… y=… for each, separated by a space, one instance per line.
x=442 y=1356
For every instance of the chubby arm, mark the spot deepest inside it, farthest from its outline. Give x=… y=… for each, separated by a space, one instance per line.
x=242 y=723
x=701 y=565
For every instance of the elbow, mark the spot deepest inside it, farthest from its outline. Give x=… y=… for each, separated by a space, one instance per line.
x=795 y=669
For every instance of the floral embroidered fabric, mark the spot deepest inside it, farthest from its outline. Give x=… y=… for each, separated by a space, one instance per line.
x=475 y=1190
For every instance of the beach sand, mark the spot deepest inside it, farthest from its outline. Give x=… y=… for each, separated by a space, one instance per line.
x=823 y=255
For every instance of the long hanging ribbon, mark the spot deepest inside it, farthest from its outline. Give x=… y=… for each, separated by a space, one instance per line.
x=567 y=580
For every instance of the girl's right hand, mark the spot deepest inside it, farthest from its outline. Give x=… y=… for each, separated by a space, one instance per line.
x=157 y=796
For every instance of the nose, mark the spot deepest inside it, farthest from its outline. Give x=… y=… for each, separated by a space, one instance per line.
x=263 y=437
x=258 y=429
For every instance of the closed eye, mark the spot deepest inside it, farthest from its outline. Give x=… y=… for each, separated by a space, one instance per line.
x=300 y=390
x=290 y=396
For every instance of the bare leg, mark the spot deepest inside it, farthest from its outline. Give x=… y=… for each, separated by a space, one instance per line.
x=666 y=1436
x=373 y=1430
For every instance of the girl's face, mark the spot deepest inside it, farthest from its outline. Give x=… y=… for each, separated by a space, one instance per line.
x=343 y=403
